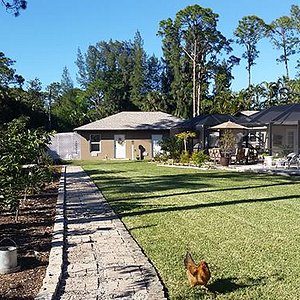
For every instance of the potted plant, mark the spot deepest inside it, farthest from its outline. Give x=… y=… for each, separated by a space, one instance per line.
x=227 y=144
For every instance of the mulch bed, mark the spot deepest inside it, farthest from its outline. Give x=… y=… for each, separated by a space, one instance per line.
x=33 y=234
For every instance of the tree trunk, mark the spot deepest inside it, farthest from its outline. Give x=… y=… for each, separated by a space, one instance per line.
x=194 y=80
x=285 y=57
x=199 y=99
x=249 y=74
x=286 y=66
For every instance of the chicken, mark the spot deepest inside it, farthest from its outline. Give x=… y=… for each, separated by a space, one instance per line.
x=196 y=274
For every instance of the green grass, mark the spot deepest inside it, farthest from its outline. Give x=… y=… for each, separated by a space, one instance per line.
x=246 y=226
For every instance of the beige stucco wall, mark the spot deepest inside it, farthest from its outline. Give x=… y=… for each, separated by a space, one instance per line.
x=132 y=141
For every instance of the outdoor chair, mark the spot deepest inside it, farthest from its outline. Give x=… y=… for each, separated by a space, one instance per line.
x=252 y=155
x=239 y=157
x=292 y=159
x=214 y=154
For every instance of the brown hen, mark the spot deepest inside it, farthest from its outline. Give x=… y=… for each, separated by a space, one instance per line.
x=196 y=274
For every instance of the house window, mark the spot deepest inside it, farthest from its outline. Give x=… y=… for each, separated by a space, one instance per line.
x=95 y=143
x=277 y=140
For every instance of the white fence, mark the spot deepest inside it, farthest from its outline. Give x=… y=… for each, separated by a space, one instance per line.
x=65 y=146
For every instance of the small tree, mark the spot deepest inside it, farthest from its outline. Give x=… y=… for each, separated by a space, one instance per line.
x=20 y=146
x=184 y=136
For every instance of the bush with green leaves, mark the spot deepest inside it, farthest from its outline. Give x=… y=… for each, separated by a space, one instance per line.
x=161 y=157
x=184 y=157
x=172 y=146
x=199 y=158
x=20 y=146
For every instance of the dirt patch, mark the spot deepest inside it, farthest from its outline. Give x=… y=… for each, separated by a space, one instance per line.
x=33 y=234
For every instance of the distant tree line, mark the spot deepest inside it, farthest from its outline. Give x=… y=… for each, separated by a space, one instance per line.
x=193 y=76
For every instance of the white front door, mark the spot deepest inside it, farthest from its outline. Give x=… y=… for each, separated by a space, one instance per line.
x=120 y=146
x=156 y=138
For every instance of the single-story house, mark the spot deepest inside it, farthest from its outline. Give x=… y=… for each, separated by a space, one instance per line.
x=276 y=129
x=201 y=125
x=207 y=137
x=125 y=135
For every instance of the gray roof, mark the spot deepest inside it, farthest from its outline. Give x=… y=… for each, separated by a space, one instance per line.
x=205 y=120
x=133 y=120
x=288 y=114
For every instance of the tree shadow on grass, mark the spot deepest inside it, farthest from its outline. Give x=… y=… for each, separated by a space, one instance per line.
x=120 y=213
x=198 y=191
x=143 y=188
x=203 y=205
x=142 y=227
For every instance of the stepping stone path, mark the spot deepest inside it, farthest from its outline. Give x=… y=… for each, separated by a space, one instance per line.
x=102 y=260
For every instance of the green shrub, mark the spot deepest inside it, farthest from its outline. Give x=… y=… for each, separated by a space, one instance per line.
x=184 y=157
x=21 y=146
x=199 y=158
x=172 y=146
x=161 y=157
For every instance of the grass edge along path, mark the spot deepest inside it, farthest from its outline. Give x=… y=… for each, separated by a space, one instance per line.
x=244 y=225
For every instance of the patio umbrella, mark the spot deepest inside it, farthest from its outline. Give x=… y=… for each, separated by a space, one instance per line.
x=228 y=125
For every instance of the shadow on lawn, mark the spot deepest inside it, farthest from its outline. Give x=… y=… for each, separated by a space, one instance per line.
x=142 y=197
x=108 y=217
x=143 y=188
x=192 y=183
x=230 y=284
x=220 y=287
x=142 y=227
x=203 y=205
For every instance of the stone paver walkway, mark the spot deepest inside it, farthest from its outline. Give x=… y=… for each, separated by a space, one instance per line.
x=102 y=261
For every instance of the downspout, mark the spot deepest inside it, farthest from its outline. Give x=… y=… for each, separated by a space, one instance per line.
x=270 y=139
x=203 y=137
x=132 y=150
x=298 y=137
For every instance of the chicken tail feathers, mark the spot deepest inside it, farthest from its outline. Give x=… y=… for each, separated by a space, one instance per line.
x=188 y=261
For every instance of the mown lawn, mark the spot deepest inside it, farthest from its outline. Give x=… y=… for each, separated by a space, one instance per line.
x=246 y=226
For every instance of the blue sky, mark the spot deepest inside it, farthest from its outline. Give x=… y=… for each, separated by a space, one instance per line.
x=46 y=36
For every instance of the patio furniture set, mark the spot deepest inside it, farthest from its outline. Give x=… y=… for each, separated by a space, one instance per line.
x=290 y=161
x=238 y=156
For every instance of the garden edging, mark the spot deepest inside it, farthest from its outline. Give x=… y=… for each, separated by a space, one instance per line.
x=54 y=270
